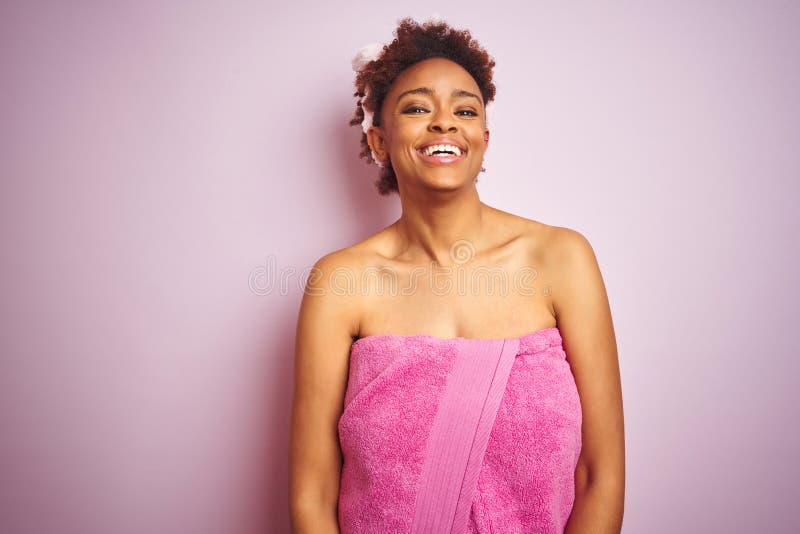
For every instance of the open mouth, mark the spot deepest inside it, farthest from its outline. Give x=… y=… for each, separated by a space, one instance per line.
x=444 y=153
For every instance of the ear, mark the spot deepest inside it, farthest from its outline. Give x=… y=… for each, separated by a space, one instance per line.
x=377 y=142
x=486 y=138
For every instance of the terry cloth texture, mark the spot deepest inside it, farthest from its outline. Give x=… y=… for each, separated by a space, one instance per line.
x=459 y=435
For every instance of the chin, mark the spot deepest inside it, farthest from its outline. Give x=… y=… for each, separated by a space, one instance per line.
x=445 y=180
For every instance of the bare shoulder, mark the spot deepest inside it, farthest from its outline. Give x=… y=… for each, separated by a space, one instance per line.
x=356 y=256
x=330 y=298
x=327 y=322
x=546 y=245
x=334 y=281
x=583 y=315
x=569 y=248
x=571 y=264
x=550 y=247
x=518 y=229
x=566 y=265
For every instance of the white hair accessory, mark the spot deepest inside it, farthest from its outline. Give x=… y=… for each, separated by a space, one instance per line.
x=367 y=53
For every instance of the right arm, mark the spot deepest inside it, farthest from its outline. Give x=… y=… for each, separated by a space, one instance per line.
x=326 y=326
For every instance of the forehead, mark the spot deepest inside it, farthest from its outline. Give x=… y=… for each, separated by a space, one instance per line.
x=434 y=72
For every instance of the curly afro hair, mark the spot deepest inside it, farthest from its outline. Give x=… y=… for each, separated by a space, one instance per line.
x=415 y=42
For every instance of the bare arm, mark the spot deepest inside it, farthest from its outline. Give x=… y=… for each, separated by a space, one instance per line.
x=325 y=327
x=583 y=315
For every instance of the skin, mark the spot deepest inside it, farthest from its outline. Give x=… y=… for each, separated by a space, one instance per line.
x=440 y=206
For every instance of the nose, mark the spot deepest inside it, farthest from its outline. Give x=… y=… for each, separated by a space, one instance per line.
x=442 y=121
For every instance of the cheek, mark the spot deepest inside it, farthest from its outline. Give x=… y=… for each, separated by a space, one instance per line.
x=404 y=141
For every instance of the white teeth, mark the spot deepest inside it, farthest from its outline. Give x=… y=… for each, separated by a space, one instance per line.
x=429 y=150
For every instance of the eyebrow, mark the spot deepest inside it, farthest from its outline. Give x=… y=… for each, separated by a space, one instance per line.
x=430 y=92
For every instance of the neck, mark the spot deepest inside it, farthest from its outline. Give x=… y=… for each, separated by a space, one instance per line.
x=431 y=226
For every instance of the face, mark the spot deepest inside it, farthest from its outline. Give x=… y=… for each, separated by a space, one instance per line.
x=433 y=102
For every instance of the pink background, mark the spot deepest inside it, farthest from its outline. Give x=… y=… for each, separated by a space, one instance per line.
x=164 y=164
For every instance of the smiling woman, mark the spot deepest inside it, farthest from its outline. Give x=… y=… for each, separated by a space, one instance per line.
x=431 y=47
x=450 y=404
x=418 y=125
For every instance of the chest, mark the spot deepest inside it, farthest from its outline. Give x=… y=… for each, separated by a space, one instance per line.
x=469 y=301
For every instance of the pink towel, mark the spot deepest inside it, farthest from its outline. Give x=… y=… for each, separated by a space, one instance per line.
x=459 y=435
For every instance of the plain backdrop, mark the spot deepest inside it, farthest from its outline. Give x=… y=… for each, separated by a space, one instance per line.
x=171 y=170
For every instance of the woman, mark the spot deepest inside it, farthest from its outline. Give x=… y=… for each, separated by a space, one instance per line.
x=441 y=404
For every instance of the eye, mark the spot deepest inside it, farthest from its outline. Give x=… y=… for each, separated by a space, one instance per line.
x=417 y=110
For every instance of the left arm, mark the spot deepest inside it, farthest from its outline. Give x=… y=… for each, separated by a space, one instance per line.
x=583 y=316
